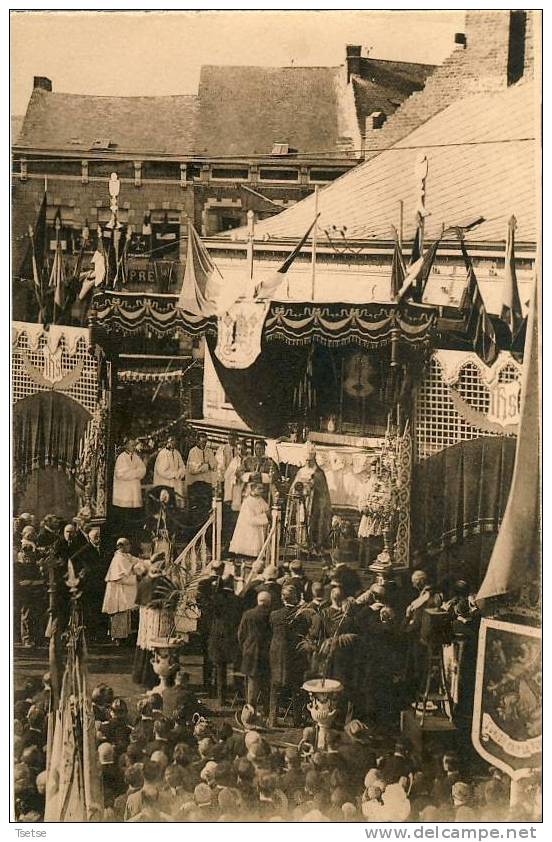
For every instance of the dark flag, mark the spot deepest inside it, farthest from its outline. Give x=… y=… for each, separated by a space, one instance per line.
x=477 y=323
x=268 y=287
x=34 y=261
x=418 y=273
x=57 y=273
x=398 y=269
x=511 y=304
x=417 y=245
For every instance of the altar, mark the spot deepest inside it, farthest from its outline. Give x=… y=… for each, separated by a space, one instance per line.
x=346 y=466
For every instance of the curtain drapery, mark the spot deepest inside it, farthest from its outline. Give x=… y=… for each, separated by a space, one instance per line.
x=47 y=431
x=459 y=497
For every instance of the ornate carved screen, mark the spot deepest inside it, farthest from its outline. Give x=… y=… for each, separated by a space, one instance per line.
x=461 y=399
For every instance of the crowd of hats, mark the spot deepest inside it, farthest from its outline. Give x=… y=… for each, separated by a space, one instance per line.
x=167 y=762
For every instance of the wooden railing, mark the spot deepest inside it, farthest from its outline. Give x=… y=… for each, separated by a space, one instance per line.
x=197 y=554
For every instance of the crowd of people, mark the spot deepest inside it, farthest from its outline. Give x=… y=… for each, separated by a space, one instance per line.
x=276 y=628
x=165 y=762
x=42 y=552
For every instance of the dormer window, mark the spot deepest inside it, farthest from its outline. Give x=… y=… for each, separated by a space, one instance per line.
x=102 y=143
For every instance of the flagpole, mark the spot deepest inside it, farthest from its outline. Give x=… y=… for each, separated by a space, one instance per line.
x=250 y=235
x=313 y=253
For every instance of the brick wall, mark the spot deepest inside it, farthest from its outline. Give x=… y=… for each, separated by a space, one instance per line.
x=481 y=67
x=83 y=200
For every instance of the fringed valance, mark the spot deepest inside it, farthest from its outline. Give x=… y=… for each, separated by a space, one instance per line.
x=368 y=326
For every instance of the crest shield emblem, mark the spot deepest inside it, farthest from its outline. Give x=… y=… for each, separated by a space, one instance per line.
x=507 y=715
x=239 y=333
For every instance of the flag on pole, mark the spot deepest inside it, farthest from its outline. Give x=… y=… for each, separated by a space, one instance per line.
x=417 y=245
x=57 y=273
x=511 y=304
x=32 y=267
x=418 y=273
x=398 y=268
x=199 y=288
x=268 y=287
x=517 y=545
x=476 y=319
x=73 y=788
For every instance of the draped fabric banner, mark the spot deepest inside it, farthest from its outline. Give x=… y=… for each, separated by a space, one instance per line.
x=369 y=326
x=262 y=394
x=461 y=492
x=47 y=430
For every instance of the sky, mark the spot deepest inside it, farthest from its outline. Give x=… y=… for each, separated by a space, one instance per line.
x=160 y=53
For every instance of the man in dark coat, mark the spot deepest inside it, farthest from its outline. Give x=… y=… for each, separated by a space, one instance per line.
x=204 y=598
x=223 y=634
x=287 y=661
x=254 y=638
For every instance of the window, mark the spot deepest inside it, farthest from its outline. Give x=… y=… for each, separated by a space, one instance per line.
x=273 y=174
x=230 y=174
x=325 y=175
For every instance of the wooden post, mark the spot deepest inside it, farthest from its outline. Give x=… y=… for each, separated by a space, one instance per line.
x=275 y=542
x=214 y=529
x=313 y=255
x=250 y=235
x=217 y=526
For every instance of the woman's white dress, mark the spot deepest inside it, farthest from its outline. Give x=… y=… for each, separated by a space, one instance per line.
x=250 y=532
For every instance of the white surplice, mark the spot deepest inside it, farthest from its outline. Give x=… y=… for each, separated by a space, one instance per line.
x=127 y=489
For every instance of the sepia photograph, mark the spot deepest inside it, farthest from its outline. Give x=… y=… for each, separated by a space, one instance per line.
x=275 y=418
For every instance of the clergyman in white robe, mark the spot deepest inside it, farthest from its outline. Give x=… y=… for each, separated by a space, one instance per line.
x=129 y=471
x=120 y=591
x=169 y=469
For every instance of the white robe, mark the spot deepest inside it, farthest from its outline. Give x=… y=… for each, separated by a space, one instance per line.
x=120 y=592
x=127 y=490
x=169 y=470
x=196 y=458
x=234 y=485
x=250 y=532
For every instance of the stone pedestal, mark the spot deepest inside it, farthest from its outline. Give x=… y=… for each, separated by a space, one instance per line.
x=322 y=708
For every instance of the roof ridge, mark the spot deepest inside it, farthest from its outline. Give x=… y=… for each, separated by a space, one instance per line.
x=114 y=96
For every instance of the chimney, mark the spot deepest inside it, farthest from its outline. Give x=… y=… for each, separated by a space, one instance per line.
x=460 y=41
x=43 y=83
x=353 y=54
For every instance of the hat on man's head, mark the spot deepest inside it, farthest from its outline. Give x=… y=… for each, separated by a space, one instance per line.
x=356 y=729
x=106 y=754
x=296 y=566
x=271 y=572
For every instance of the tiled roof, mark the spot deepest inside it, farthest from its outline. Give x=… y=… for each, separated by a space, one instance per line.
x=471 y=173
x=245 y=110
x=16 y=124
x=164 y=124
x=239 y=111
